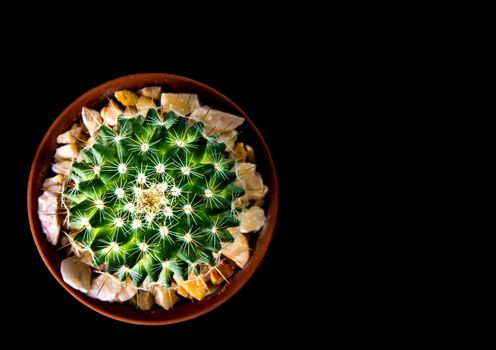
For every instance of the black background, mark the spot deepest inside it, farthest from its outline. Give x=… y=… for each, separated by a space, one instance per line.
x=277 y=294
x=336 y=94
x=319 y=89
x=309 y=79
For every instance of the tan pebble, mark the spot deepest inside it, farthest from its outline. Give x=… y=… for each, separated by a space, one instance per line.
x=63 y=167
x=91 y=119
x=51 y=181
x=55 y=189
x=195 y=287
x=76 y=274
x=182 y=104
x=245 y=169
x=250 y=154
x=216 y=121
x=221 y=272
x=151 y=91
x=70 y=136
x=165 y=297
x=143 y=300
x=229 y=138
x=182 y=292
x=111 y=112
x=67 y=152
x=144 y=104
x=126 y=98
x=48 y=207
x=86 y=257
x=130 y=112
x=105 y=287
x=128 y=290
x=239 y=152
x=238 y=251
x=251 y=219
x=250 y=180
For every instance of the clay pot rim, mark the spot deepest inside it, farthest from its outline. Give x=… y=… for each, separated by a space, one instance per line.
x=255 y=259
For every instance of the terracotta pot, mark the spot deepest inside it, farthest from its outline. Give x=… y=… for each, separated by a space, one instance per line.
x=94 y=98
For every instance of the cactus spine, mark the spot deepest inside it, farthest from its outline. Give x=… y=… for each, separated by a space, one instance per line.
x=152 y=198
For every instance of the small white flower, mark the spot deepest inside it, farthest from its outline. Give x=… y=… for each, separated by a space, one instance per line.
x=141 y=179
x=149 y=217
x=187 y=237
x=186 y=170
x=137 y=223
x=188 y=209
x=130 y=207
x=99 y=204
x=175 y=191
x=180 y=144
x=119 y=192
x=162 y=187
x=168 y=211
x=122 y=168
x=160 y=168
x=164 y=231
x=118 y=222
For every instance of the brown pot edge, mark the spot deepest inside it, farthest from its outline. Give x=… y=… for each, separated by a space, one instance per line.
x=228 y=292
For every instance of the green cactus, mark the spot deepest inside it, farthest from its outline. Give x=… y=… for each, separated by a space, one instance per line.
x=152 y=198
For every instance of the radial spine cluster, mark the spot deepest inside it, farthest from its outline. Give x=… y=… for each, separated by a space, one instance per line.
x=152 y=198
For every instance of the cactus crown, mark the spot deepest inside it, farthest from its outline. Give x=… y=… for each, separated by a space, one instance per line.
x=152 y=198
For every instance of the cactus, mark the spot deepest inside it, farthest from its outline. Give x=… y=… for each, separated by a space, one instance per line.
x=152 y=198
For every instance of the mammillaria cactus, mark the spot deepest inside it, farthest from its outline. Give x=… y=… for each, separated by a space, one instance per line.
x=152 y=198
x=153 y=202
